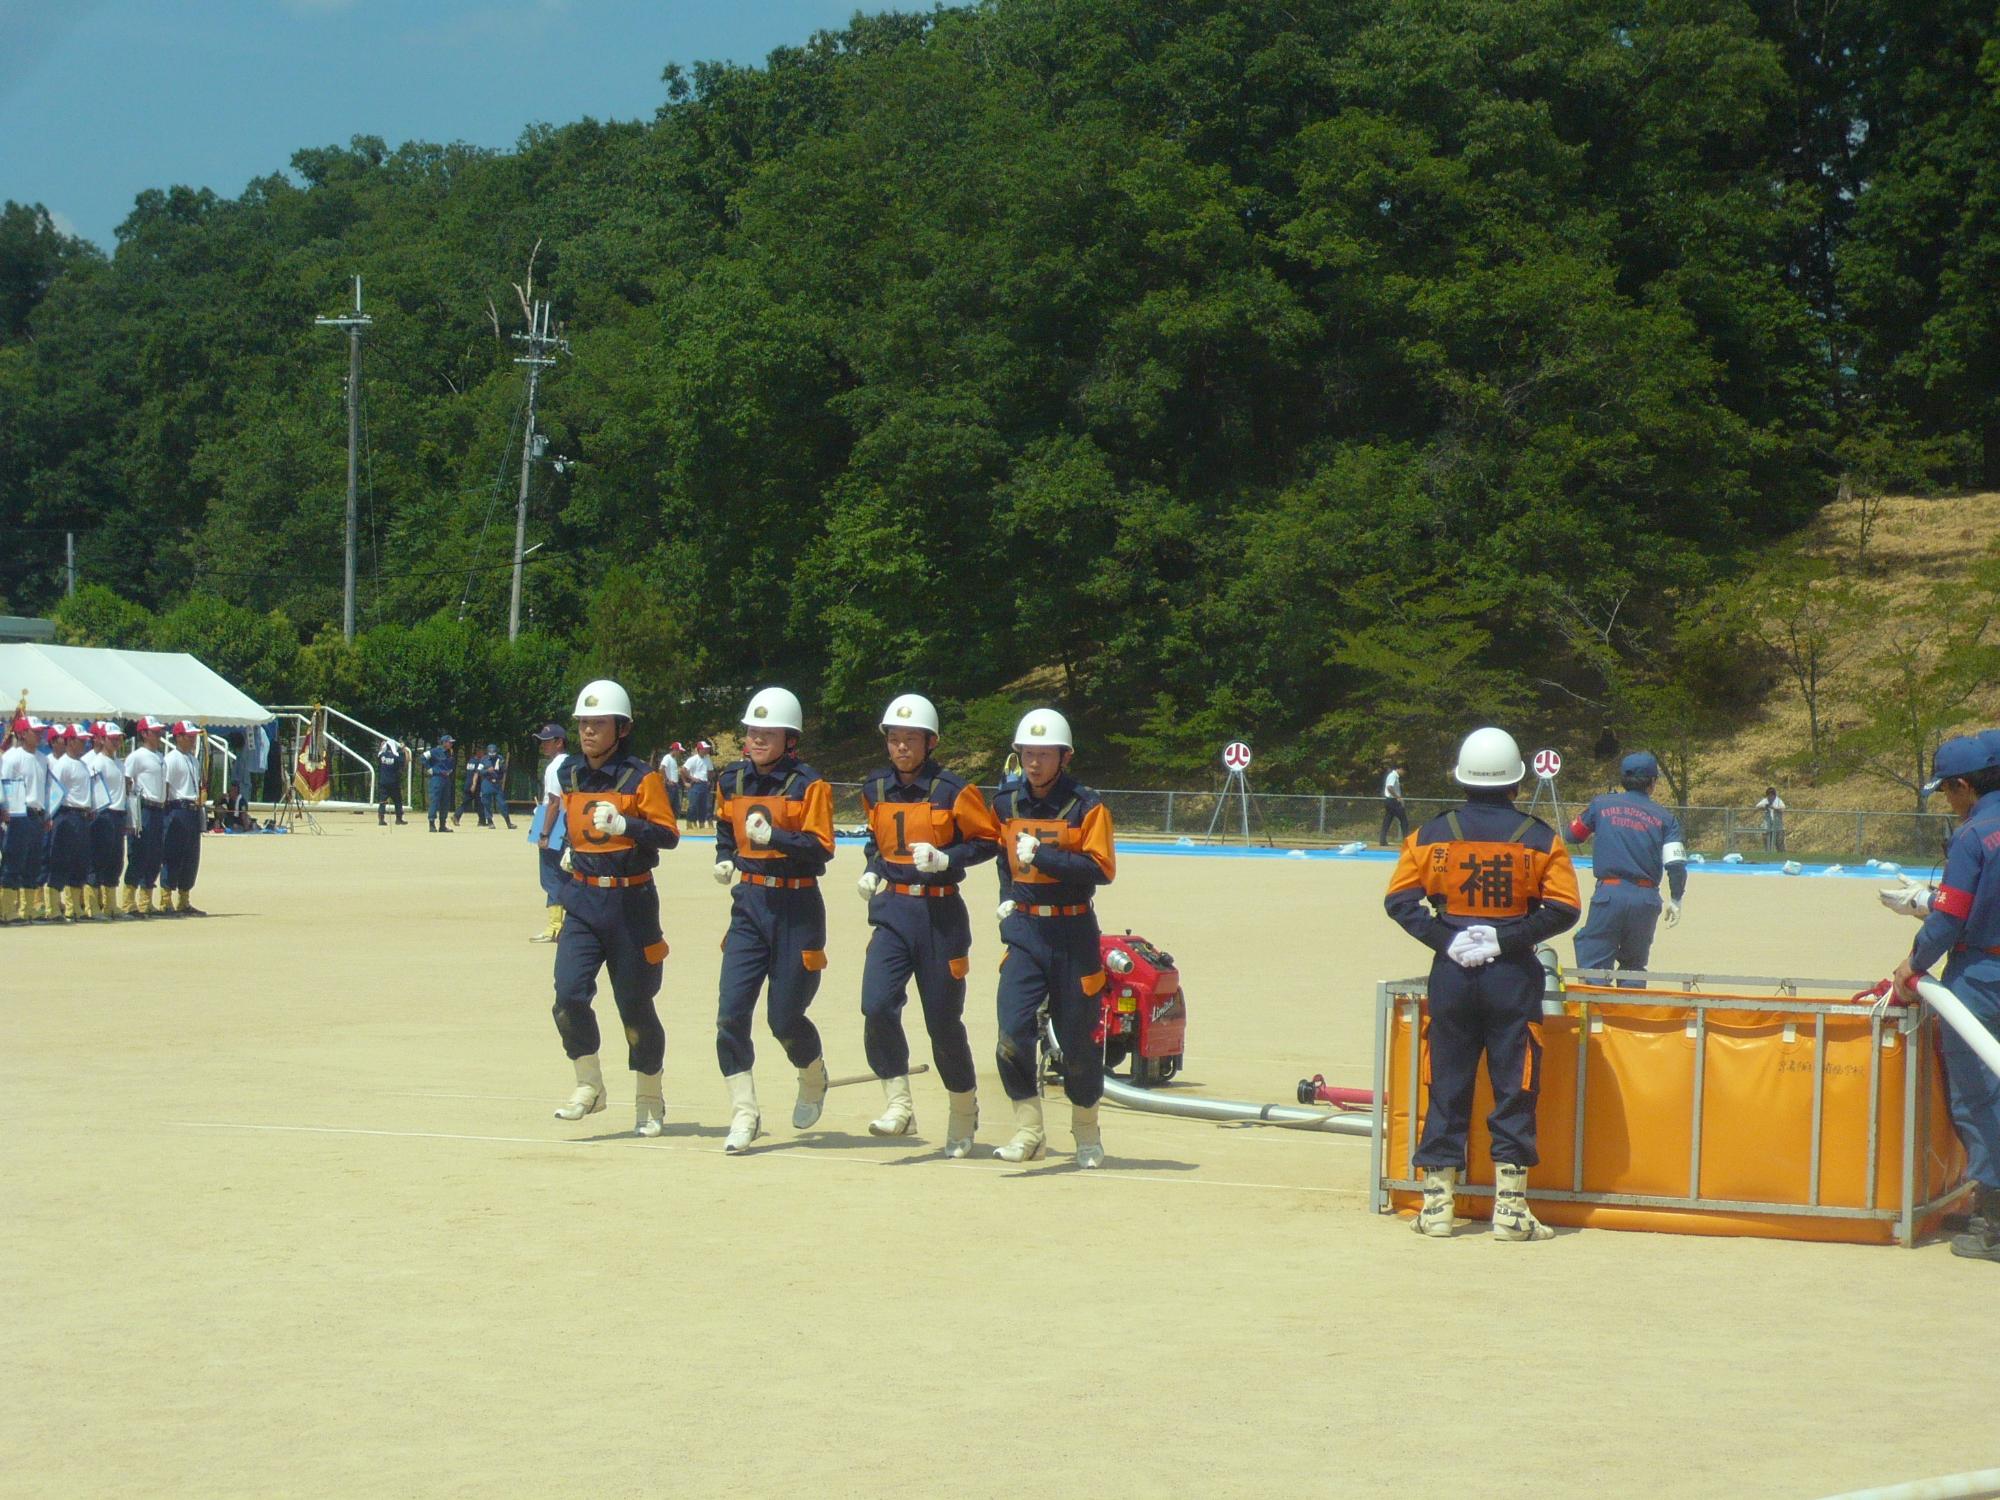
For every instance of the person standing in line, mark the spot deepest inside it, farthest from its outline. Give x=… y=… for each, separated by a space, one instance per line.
x=775 y=825
x=439 y=763
x=697 y=773
x=475 y=763
x=547 y=827
x=146 y=821
x=1057 y=848
x=180 y=860
x=493 y=790
x=1638 y=846
x=1481 y=886
x=24 y=799
x=1393 y=810
x=1961 y=920
x=50 y=752
x=1772 y=806
x=389 y=763
x=107 y=824
x=69 y=857
x=926 y=827
x=670 y=774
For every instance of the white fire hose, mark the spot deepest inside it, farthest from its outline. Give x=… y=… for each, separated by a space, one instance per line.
x=1952 y=1011
x=1977 y=1485
x=1291 y=1116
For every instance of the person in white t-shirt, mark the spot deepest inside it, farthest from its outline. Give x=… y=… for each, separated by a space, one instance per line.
x=696 y=771
x=107 y=828
x=670 y=773
x=24 y=804
x=145 y=817
x=1772 y=806
x=181 y=856
x=1393 y=810
x=70 y=815
x=547 y=831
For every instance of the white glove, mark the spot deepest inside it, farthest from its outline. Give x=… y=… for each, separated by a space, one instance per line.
x=1474 y=946
x=1670 y=912
x=1024 y=849
x=1004 y=910
x=1912 y=898
x=724 y=870
x=607 y=819
x=870 y=885
x=759 y=828
x=565 y=860
x=928 y=858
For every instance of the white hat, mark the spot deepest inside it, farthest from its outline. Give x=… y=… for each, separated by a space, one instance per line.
x=910 y=711
x=1042 y=726
x=774 y=708
x=1489 y=757
x=603 y=698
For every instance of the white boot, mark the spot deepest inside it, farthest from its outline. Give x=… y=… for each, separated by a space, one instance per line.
x=651 y=1114
x=900 y=1118
x=589 y=1096
x=1434 y=1218
x=812 y=1095
x=1512 y=1218
x=744 y=1121
x=963 y=1125
x=1028 y=1137
x=1089 y=1144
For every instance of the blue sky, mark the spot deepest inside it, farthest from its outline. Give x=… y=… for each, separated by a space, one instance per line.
x=101 y=99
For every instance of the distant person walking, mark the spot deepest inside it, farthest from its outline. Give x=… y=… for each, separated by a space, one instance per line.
x=1772 y=806
x=1393 y=810
x=439 y=761
x=547 y=829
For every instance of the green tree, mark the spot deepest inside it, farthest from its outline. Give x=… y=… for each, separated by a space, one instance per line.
x=97 y=616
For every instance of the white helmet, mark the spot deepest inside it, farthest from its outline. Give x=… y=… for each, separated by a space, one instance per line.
x=910 y=711
x=774 y=708
x=603 y=697
x=1042 y=726
x=1489 y=757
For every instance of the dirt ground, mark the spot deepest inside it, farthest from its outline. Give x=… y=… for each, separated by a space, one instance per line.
x=287 y=1214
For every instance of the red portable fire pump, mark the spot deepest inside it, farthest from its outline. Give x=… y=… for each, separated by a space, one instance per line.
x=1142 y=1011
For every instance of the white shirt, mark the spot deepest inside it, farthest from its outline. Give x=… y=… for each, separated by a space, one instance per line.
x=670 y=769
x=147 y=774
x=552 y=777
x=697 y=767
x=183 y=780
x=73 y=780
x=106 y=781
x=1771 y=806
x=22 y=784
x=1392 y=786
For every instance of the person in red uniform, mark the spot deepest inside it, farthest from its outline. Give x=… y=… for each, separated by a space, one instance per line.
x=617 y=820
x=926 y=827
x=1056 y=839
x=1480 y=886
x=774 y=824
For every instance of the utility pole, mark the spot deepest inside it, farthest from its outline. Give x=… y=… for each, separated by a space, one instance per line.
x=542 y=351
x=355 y=324
x=69 y=556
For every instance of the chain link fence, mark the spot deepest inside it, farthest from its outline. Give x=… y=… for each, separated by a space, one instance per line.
x=1295 y=821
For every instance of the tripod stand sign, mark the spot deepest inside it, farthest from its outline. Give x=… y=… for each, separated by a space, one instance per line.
x=1548 y=765
x=1235 y=761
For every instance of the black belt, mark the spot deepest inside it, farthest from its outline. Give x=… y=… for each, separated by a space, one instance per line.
x=182 y=802
x=151 y=804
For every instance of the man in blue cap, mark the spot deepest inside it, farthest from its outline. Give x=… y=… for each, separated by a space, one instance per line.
x=545 y=829
x=437 y=783
x=1962 y=926
x=1638 y=845
x=493 y=789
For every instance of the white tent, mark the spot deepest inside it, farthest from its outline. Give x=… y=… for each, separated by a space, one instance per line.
x=83 y=682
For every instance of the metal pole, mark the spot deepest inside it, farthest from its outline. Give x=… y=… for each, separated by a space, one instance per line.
x=353 y=462
x=69 y=554
x=521 y=506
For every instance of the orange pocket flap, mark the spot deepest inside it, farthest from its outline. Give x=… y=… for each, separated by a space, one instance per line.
x=1092 y=983
x=656 y=951
x=960 y=967
x=814 y=958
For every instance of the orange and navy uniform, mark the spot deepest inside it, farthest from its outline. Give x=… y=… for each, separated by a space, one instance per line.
x=611 y=907
x=920 y=928
x=1051 y=935
x=1483 y=864
x=777 y=918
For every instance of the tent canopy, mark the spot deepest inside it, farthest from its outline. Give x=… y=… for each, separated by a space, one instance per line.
x=85 y=682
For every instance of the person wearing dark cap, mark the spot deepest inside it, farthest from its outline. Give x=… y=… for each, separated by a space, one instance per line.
x=1638 y=846
x=389 y=763
x=438 y=762
x=493 y=789
x=1961 y=920
x=545 y=830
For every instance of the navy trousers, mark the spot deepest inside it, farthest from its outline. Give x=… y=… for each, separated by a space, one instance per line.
x=776 y=938
x=1972 y=1088
x=928 y=940
x=1052 y=959
x=1496 y=1010
x=21 y=853
x=145 y=850
x=69 y=850
x=1618 y=933
x=618 y=931
x=180 y=852
x=107 y=847
x=437 y=804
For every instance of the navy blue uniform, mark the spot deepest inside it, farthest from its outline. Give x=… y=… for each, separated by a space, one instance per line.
x=1051 y=935
x=1638 y=845
x=438 y=763
x=389 y=780
x=921 y=930
x=1963 y=928
x=777 y=917
x=1484 y=864
x=492 y=791
x=612 y=907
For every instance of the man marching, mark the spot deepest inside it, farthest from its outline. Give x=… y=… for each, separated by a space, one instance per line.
x=146 y=821
x=926 y=828
x=1638 y=845
x=1056 y=840
x=180 y=855
x=1480 y=886
x=617 y=820
x=774 y=822
x=107 y=825
x=24 y=801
